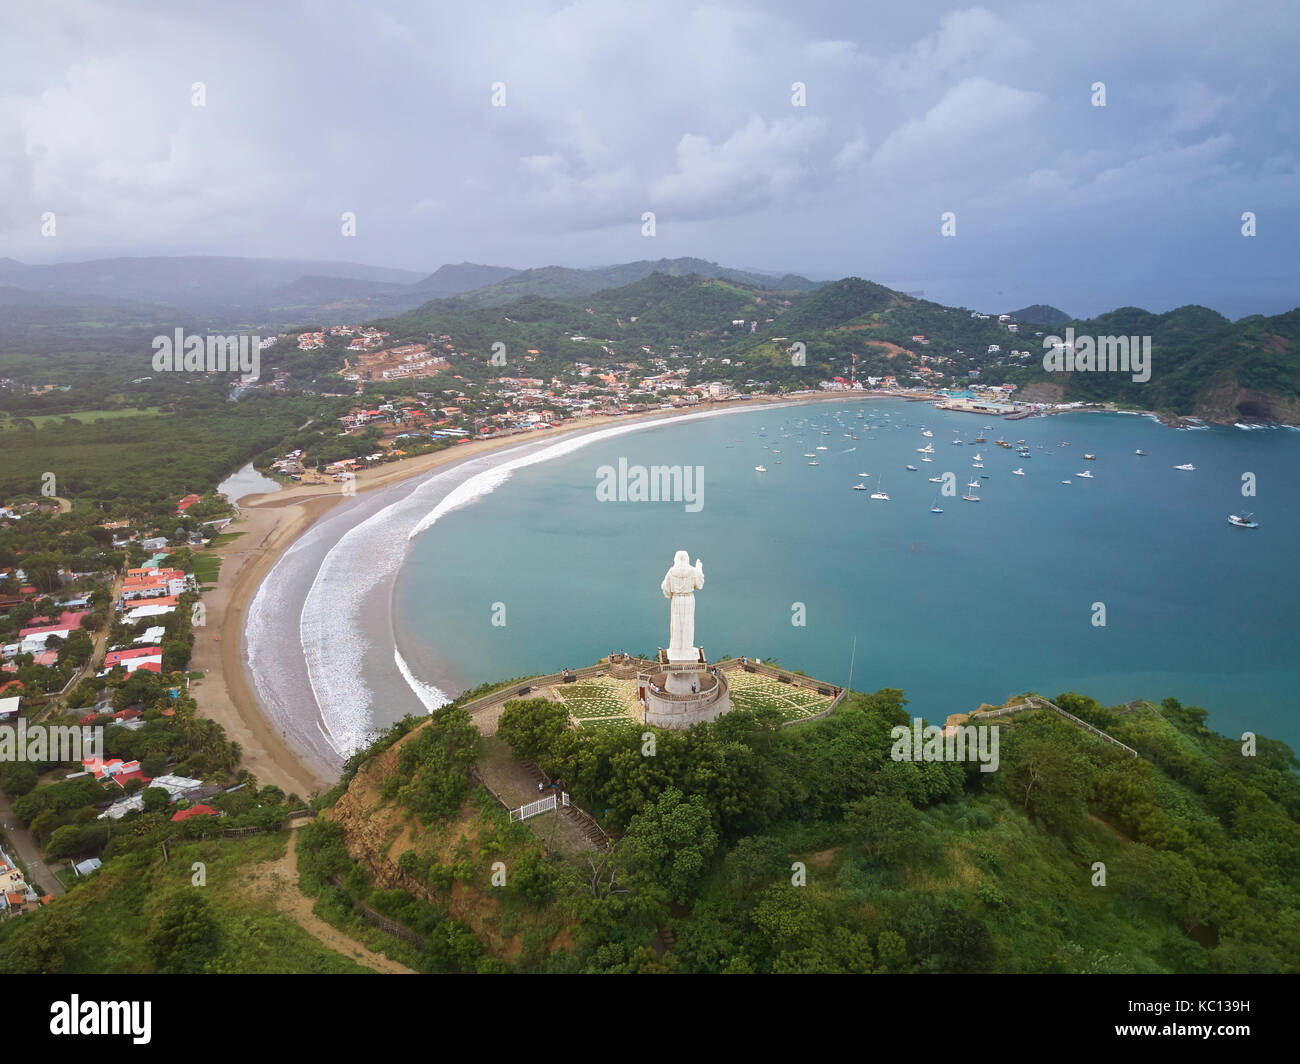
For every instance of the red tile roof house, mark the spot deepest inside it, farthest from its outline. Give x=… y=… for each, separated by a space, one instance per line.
x=117 y=770
x=194 y=810
x=186 y=503
x=113 y=657
x=68 y=619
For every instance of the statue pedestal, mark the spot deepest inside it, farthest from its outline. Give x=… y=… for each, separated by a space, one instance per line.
x=669 y=701
x=683 y=655
x=679 y=683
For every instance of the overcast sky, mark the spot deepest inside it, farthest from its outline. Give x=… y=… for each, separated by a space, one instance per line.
x=385 y=109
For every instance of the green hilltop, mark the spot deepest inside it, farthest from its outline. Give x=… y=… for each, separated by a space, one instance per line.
x=744 y=846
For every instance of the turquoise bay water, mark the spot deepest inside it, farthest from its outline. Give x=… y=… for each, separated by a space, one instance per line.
x=972 y=605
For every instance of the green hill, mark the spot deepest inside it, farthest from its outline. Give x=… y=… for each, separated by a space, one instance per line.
x=1202 y=365
x=744 y=846
x=562 y=282
x=1041 y=314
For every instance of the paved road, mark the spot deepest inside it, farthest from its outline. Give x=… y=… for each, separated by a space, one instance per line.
x=25 y=849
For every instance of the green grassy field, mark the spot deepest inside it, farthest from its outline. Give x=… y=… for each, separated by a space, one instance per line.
x=207 y=567
x=119 y=906
x=83 y=416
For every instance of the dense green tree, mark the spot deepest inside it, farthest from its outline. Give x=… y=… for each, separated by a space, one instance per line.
x=532 y=726
x=672 y=841
x=185 y=935
x=155 y=799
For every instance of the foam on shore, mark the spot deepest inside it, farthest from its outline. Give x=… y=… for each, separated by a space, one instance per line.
x=358 y=572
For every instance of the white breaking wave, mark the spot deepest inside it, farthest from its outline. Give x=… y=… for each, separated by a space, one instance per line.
x=486 y=482
x=368 y=556
x=431 y=696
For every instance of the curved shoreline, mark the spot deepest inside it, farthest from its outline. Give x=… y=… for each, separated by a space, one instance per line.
x=277 y=746
x=275 y=524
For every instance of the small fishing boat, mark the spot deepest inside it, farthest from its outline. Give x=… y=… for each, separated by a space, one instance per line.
x=1187 y=466
x=912 y=468
x=1085 y=475
x=859 y=487
x=760 y=469
x=1140 y=451
x=1242 y=520
x=1089 y=457
x=1017 y=472
x=936 y=480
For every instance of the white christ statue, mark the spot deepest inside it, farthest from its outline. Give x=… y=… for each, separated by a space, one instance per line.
x=680 y=584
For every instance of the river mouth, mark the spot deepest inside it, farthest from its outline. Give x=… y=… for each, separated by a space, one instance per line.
x=244 y=482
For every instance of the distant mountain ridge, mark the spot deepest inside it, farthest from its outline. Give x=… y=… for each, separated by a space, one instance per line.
x=563 y=282
x=282 y=292
x=198 y=281
x=1203 y=364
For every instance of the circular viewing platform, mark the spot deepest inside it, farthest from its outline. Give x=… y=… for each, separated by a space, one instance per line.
x=677 y=696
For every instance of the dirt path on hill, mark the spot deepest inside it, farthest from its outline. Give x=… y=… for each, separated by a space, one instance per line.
x=279 y=878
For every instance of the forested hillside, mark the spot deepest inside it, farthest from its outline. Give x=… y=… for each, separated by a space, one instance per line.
x=742 y=846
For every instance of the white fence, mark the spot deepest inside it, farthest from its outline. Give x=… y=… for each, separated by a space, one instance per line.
x=542 y=805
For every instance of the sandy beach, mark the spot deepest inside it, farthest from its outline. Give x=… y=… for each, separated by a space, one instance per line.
x=270 y=524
